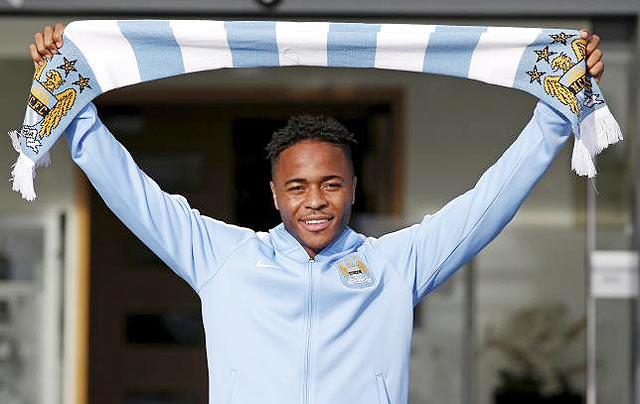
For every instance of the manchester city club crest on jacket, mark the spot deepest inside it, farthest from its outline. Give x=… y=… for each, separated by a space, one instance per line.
x=354 y=273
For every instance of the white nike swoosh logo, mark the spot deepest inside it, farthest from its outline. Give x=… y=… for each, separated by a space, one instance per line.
x=260 y=264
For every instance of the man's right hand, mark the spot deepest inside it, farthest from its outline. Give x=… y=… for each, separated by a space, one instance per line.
x=46 y=43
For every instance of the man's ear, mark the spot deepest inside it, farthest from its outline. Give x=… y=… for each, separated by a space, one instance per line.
x=353 y=190
x=273 y=193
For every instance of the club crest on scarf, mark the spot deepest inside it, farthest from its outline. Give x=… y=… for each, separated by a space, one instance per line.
x=354 y=273
x=570 y=78
x=48 y=102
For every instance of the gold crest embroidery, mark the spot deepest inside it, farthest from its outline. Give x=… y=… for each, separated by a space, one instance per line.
x=573 y=78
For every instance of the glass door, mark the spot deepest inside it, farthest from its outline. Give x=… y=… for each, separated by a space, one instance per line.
x=612 y=260
x=30 y=307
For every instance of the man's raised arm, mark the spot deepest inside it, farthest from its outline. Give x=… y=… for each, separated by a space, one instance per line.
x=191 y=244
x=429 y=252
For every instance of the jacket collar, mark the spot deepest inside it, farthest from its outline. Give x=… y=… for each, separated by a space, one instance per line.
x=285 y=243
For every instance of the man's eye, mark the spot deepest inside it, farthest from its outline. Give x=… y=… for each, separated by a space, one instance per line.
x=296 y=188
x=332 y=185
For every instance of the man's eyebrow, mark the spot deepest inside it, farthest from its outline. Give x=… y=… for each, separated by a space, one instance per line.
x=332 y=177
x=323 y=179
x=302 y=180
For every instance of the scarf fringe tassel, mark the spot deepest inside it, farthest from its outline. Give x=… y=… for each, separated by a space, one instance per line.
x=23 y=170
x=44 y=160
x=13 y=135
x=597 y=131
x=22 y=175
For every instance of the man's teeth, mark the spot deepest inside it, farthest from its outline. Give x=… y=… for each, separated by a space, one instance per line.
x=316 y=221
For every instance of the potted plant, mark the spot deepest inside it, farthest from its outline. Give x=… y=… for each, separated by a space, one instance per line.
x=532 y=340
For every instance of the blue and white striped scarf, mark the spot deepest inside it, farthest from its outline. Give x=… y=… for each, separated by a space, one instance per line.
x=101 y=55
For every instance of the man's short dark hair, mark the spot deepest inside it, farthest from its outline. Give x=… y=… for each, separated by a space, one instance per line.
x=307 y=127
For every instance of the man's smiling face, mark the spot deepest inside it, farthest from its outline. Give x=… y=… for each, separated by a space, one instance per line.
x=313 y=187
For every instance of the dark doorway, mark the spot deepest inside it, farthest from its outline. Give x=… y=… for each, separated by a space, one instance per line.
x=253 y=200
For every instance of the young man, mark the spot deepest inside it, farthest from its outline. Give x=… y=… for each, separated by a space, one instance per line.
x=311 y=311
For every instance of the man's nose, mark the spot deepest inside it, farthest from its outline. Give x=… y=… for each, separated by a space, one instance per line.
x=315 y=199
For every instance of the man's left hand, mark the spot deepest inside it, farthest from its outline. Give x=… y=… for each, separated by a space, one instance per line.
x=595 y=66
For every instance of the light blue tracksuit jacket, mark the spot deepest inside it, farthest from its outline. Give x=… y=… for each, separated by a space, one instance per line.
x=282 y=328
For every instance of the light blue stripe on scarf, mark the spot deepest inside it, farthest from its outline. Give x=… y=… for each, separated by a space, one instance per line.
x=250 y=50
x=352 y=45
x=439 y=58
x=157 y=58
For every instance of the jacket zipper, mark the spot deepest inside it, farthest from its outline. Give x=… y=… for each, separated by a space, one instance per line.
x=307 y=352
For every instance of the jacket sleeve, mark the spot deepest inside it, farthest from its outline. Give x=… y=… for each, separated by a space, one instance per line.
x=428 y=253
x=192 y=245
